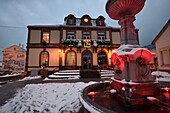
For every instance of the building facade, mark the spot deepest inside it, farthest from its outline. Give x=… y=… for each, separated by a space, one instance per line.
x=14 y=58
x=162 y=43
x=80 y=43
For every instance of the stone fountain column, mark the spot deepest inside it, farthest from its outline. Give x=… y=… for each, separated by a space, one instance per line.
x=132 y=80
x=128 y=33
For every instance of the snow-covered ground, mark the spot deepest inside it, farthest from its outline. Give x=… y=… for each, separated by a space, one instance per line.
x=30 y=78
x=162 y=76
x=52 y=97
x=46 y=98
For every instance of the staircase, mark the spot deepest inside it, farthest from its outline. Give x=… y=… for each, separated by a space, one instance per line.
x=76 y=74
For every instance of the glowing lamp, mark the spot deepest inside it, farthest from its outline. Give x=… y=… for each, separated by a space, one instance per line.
x=165 y=89
x=114 y=50
x=59 y=50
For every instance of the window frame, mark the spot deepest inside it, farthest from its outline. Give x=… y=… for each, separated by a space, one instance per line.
x=106 y=62
x=162 y=57
x=42 y=39
x=101 y=39
x=86 y=36
x=40 y=58
x=75 y=59
x=72 y=34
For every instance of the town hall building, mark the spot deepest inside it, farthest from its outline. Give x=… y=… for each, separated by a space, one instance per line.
x=79 y=44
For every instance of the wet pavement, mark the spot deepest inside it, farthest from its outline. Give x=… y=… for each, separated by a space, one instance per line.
x=111 y=103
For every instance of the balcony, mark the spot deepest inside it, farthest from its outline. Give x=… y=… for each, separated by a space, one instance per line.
x=85 y=43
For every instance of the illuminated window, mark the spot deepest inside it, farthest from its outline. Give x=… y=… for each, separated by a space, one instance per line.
x=70 y=36
x=44 y=58
x=46 y=37
x=101 y=36
x=86 y=19
x=86 y=35
x=70 y=58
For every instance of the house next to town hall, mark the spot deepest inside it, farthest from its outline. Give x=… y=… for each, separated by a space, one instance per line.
x=80 y=43
x=162 y=43
x=14 y=58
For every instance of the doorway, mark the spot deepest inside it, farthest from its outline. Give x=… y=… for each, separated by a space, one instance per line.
x=86 y=60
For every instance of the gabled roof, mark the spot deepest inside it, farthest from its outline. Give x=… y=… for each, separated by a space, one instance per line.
x=16 y=46
x=162 y=30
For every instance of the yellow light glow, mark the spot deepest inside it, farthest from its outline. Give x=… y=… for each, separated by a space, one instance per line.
x=86 y=20
x=59 y=50
x=114 y=50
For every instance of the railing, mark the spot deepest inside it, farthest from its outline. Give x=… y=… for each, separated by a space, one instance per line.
x=86 y=43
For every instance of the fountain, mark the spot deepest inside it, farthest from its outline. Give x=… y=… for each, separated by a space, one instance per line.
x=132 y=82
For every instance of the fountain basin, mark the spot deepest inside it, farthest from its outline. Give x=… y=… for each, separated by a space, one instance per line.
x=101 y=101
x=135 y=93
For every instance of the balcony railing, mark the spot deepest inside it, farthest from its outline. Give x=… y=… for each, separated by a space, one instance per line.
x=86 y=43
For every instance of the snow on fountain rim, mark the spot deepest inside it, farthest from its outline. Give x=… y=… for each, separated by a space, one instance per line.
x=134 y=48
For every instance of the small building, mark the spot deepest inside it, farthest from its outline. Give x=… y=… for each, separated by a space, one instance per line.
x=80 y=43
x=14 y=58
x=162 y=43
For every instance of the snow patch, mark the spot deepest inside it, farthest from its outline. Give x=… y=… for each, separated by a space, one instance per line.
x=30 y=78
x=46 y=98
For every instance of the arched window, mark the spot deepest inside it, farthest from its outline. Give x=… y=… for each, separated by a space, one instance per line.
x=102 y=58
x=71 y=58
x=44 y=58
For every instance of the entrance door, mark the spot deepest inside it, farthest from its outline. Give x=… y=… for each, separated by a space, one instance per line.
x=86 y=60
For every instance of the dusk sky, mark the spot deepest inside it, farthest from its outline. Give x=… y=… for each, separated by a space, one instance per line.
x=16 y=15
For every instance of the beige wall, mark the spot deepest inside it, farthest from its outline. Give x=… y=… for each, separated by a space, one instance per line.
x=30 y=69
x=35 y=36
x=164 y=39
x=53 y=57
x=63 y=59
x=95 y=62
x=107 y=35
x=94 y=35
x=78 y=59
x=33 y=59
x=115 y=37
x=163 y=43
x=78 y=34
x=64 y=35
x=55 y=36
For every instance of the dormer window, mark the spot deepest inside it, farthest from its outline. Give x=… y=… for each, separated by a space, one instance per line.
x=100 y=22
x=70 y=21
x=86 y=20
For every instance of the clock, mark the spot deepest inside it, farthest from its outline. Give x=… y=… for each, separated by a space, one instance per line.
x=86 y=19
